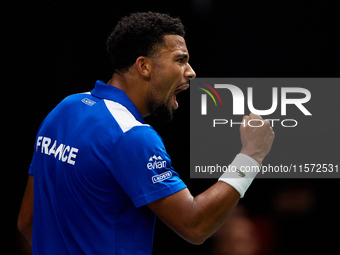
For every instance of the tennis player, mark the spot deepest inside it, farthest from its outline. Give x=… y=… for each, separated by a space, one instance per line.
x=101 y=175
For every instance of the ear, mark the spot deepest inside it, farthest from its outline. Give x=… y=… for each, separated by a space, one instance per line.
x=144 y=66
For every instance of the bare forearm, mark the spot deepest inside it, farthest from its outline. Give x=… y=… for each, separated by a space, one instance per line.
x=212 y=207
x=197 y=218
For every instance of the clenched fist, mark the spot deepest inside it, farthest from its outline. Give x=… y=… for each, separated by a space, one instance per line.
x=256 y=139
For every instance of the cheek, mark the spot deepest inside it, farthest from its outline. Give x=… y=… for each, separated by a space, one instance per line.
x=163 y=86
x=165 y=81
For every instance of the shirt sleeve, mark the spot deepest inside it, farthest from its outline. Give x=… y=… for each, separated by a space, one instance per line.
x=142 y=167
x=32 y=165
x=33 y=162
x=34 y=158
x=31 y=169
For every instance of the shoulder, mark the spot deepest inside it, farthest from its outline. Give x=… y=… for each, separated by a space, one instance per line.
x=142 y=135
x=140 y=141
x=123 y=117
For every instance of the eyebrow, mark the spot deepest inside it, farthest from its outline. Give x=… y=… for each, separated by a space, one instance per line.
x=183 y=55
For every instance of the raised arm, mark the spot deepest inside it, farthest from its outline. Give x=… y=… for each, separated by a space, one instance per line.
x=197 y=218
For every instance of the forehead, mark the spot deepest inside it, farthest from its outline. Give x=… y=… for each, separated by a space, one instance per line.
x=174 y=44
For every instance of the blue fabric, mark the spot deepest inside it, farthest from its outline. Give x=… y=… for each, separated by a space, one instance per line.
x=96 y=165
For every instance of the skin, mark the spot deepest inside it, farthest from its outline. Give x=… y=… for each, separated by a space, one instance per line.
x=25 y=219
x=152 y=83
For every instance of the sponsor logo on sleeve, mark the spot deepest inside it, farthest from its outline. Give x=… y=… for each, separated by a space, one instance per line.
x=156 y=162
x=161 y=177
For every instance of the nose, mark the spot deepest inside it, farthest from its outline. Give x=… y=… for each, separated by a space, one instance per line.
x=190 y=73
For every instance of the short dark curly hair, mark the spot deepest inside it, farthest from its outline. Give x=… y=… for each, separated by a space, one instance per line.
x=139 y=34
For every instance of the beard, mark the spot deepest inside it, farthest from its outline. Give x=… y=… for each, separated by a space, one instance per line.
x=157 y=105
x=163 y=112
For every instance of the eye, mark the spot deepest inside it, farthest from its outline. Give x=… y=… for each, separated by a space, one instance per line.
x=180 y=60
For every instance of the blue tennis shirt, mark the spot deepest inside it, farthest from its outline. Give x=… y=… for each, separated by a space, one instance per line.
x=96 y=164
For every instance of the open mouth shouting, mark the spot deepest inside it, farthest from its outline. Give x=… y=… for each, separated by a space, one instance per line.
x=178 y=90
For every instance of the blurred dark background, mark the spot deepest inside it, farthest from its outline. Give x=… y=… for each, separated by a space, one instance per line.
x=57 y=48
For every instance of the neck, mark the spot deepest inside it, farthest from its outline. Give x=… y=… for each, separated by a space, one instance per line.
x=135 y=89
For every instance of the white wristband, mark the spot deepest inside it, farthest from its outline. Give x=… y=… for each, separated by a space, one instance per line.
x=241 y=172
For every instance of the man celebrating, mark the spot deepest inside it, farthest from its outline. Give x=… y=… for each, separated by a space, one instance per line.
x=100 y=175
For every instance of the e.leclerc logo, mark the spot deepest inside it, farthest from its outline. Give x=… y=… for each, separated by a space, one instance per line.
x=239 y=102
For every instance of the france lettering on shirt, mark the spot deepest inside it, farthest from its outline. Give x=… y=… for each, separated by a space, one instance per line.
x=64 y=152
